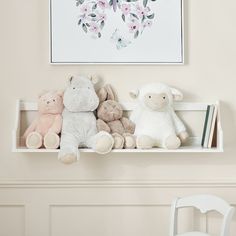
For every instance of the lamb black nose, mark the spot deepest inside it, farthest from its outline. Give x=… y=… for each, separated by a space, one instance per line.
x=48 y=102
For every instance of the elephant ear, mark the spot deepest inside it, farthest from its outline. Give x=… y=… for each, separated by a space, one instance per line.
x=70 y=78
x=95 y=79
x=134 y=93
x=177 y=95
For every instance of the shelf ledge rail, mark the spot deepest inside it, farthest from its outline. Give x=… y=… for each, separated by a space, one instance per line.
x=192 y=147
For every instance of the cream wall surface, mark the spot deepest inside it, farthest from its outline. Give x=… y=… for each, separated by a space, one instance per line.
x=131 y=192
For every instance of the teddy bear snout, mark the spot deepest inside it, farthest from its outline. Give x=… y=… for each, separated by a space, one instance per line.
x=52 y=102
x=156 y=101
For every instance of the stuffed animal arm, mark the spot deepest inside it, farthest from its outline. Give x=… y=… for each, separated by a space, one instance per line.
x=128 y=125
x=180 y=128
x=56 y=127
x=31 y=128
x=102 y=126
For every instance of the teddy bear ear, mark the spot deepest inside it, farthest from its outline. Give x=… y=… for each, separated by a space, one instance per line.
x=177 y=95
x=111 y=95
x=134 y=93
x=60 y=93
x=42 y=93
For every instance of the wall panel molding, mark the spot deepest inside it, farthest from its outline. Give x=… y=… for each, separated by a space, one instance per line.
x=207 y=183
x=12 y=219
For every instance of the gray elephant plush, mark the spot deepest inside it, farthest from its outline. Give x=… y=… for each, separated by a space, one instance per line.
x=79 y=123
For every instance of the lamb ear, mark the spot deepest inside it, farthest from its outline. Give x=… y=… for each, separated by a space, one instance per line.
x=42 y=93
x=177 y=95
x=134 y=93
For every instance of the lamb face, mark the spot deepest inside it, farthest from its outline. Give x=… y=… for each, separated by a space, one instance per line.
x=156 y=97
x=80 y=95
x=156 y=101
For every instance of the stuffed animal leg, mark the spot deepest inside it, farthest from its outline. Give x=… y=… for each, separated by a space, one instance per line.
x=34 y=140
x=145 y=142
x=51 y=140
x=69 y=151
x=129 y=141
x=101 y=143
x=119 y=141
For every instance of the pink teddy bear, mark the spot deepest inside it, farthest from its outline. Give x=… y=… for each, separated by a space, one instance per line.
x=45 y=129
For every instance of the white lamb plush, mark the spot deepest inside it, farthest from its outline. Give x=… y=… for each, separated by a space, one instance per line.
x=79 y=122
x=157 y=124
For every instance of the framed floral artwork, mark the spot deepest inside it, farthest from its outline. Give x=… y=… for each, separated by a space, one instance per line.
x=116 y=31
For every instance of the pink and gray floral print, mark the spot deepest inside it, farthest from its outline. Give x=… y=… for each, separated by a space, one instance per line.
x=137 y=15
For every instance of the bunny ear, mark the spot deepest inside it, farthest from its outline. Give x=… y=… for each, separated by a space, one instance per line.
x=134 y=93
x=177 y=95
x=102 y=94
x=42 y=93
x=111 y=95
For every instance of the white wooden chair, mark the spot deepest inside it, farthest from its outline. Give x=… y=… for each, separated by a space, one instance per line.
x=204 y=203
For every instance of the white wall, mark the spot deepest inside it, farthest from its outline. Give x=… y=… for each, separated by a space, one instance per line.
x=131 y=192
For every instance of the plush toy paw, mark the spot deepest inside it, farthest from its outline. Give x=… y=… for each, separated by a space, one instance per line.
x=118 y=141
x=144 y=142
x=68 y=158
x=172 y=142
x=183 y=136
x=34 y=140
x=68 y=155
x=130 y=141
x=104 y=143
x=51 y=141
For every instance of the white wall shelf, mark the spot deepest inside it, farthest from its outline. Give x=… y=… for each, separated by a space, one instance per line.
x=193 y=145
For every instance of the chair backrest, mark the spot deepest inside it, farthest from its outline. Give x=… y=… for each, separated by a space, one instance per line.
x=204 y=203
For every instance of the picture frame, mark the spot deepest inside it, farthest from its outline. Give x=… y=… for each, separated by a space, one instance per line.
x=72 y=45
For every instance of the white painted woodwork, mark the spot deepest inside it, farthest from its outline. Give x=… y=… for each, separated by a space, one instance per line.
x=48 y=208
x=204 y=203
x=12 y=220
x=193 y=145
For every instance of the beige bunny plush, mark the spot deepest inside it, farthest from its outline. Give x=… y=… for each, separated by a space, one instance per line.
x=111 y=119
